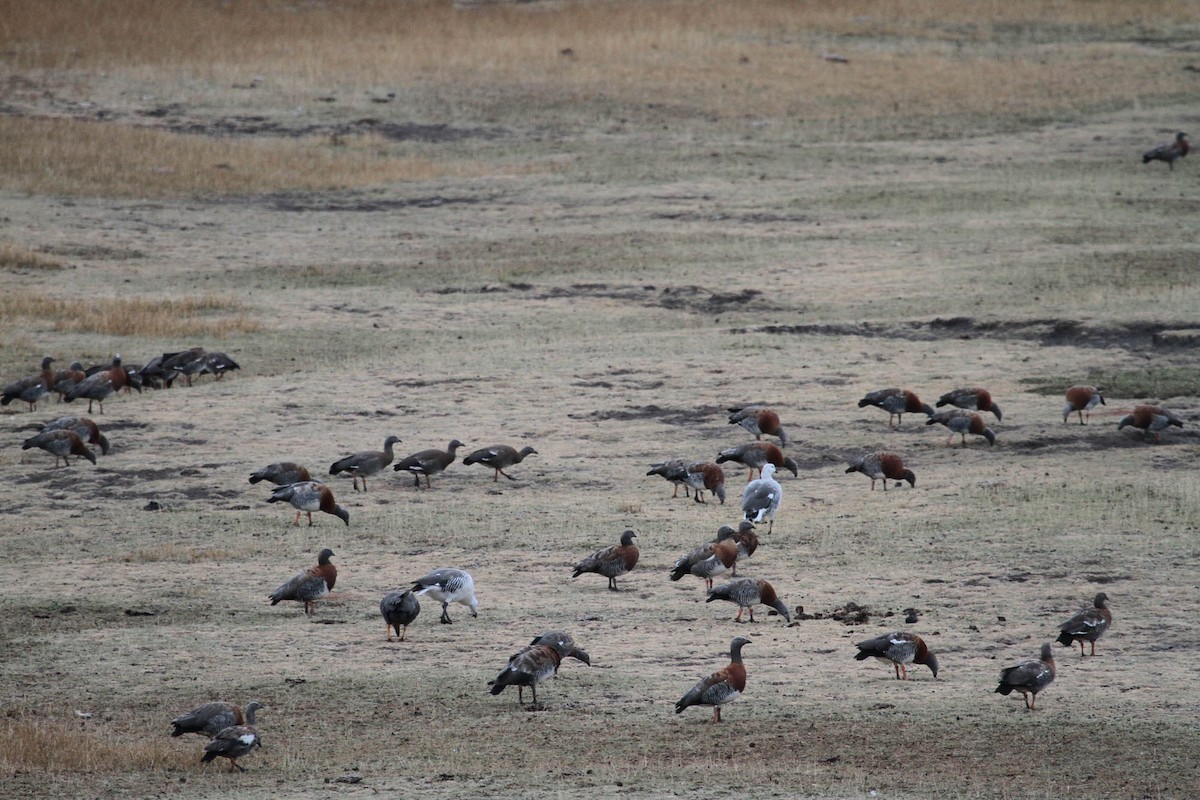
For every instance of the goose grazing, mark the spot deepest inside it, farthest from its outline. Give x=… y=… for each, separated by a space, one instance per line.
x=87 y=429
x=674 y=471
x=281 y=473
x=31 y=389
x=188 y=363
x=1169 y=151
x=761 y=498
x=498 y=457
x=309 y=496
x=60 y=444
x=1081 y=399
x=962 y=422
x=612 y=561
x=449 y=585
x=973 y=399
x=1088 y=625
x=744 y=537
x=428 y=462
x=723 y=686
x=1028 y=677
x=1150 y=419
x=98 y=386
x=897 y=402
x=723 y=558
x=219 y=363
x=760 y=421
x=882 y=465
x=899 y=649
x=529 y=667
x=234 y=742
x=747 y=593
x=703 y=475
x=683 y=564
x=399 y=609
x=66 y=379
x=209 y=719
x=756 y=455
x=368 y=462
x=309 y=584
x=565 y=645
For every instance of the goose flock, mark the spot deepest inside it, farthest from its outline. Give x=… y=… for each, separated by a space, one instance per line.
x=232 y=732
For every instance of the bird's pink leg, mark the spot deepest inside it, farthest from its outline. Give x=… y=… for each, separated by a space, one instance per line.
x=297 y=521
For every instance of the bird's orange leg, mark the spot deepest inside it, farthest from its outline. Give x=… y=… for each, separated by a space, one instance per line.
x=297 y=522
x=309 y=518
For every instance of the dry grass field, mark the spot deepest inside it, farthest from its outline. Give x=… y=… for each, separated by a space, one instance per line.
x=592 y=227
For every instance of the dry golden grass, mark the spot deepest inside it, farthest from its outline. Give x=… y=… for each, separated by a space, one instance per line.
x=729 y=61
x=71 y=157
x=183 y=554
x=205 y=315
x=52 y=745
x=14 y=257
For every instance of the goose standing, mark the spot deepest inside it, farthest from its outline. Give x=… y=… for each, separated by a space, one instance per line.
x=234 y=742
x=1088 y=625
x=757 y=454
x=761 y=498
x=399 y=609
x=674 y=471
x=309 y=496
x=365 y=463
x=899 y=649
x=1169 y=151
x=31 y=389
x=428 y=462
x=498 y=457
x=759 y=420
x=723 y=686
x=308 y=585
x=882 y=465
x=60 y=444
x=1028 y=677
x=209 y=719
x=973 y=399
x=1080 y=400
x=529 y=667
x=612 y=561
x=449 y=585
x=281 y=473
x=747 y=593
x=897 y=402
x=1150 y=419
x=87 y=429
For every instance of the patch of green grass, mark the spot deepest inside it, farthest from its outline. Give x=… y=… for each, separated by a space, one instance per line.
x=1156 y=382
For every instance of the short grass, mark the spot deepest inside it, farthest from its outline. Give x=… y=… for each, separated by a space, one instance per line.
x=688 y=210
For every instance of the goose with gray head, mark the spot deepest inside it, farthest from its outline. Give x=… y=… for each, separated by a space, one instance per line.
x=367 y=462
x=428 y=462
x=499 y=457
